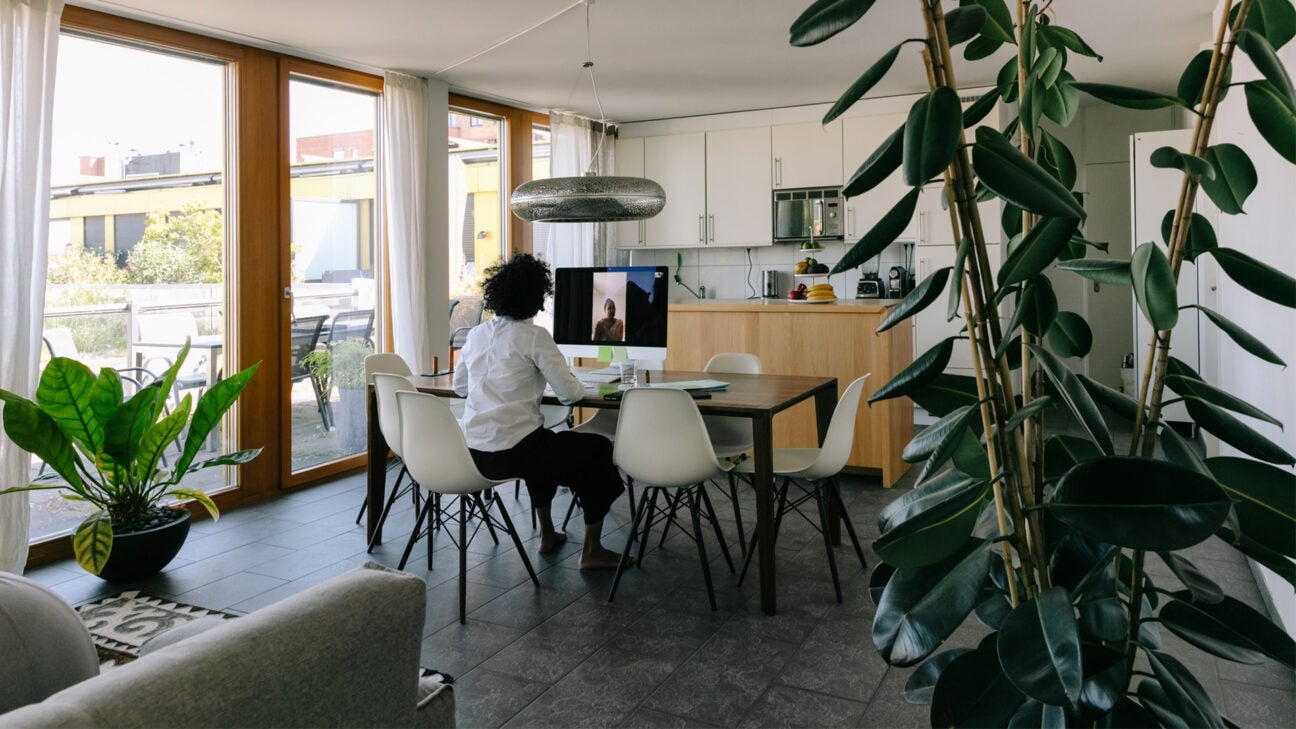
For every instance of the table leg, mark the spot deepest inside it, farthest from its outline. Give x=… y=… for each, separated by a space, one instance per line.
x=377 y=474
x=763 y=482
x=825 y=402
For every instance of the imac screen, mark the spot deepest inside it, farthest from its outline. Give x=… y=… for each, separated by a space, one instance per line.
x=620 y=306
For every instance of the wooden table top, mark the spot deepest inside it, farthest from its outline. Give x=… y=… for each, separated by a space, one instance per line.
x=746 y=395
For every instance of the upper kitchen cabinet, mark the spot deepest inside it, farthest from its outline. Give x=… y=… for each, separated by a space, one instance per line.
x=808 y=154
x=678 y=163
x=630 y=163
x=738 y=187
x=861 y=136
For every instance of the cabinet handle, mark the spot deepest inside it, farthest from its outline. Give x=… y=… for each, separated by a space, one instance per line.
x=701 y=229
x=850 y=222
x=922 y=228
x=711 y=227
x=778 y=172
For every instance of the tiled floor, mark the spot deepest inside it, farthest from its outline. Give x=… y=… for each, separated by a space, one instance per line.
x=561 y=655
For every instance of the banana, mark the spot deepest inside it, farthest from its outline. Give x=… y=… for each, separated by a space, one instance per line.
x=821 y=295
x=821 y=287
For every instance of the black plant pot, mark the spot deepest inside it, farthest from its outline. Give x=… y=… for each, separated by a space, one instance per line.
x=136 y=555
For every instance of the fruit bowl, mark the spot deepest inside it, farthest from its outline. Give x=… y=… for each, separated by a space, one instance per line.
x=812 y=301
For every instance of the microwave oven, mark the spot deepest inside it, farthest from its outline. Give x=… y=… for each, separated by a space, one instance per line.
x=812 y=213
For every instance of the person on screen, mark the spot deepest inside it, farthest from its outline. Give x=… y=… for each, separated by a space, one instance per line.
x=609 y=328
x=502 y=371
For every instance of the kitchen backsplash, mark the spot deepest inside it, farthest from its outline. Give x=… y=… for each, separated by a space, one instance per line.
x=726 y=274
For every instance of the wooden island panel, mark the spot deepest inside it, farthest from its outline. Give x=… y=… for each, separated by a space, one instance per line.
x=826 y=340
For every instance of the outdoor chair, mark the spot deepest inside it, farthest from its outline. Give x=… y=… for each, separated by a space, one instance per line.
x=304 y=336
x=356 y=324
x=465 y=314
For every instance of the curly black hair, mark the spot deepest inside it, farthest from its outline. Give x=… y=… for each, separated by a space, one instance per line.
x=517 y=289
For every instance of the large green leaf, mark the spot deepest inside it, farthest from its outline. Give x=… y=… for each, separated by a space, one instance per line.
x=1186 y=386
x=237 y=458
x=998 y=25
x=973 y=691
x=199 y=496
x=1201 y=236
x=932 y=525
x=945 y=393
x=956 y=286
x=1016 y=178
x=1128 y=97
x=1177 y=449
x=1274 y=117
x=1184 y=693
x=825 y=19
x=125 y=429
x=106 y=395
x=980 y=48
x=1055 y=157
x=1036 y=309
x=982 y=106
x=1257 y=48
x=1039 y=649
x=167 y=381
x=1235 y=179
x=1241 y=436
x=1200 y=587
x=1028 y=411
x=1068 y=39
x=1274 y=19
x=1264 y=499
x=1229 y=629
x=921 y=607
x=864 y=83
x=1037 y=250
x=64 y=393
x=1069 y=335
x=1257 y=277
x=964 y=23
x=211 y=408
x=1278 y=563
x=920 y=298
x=1192 y=82
x=92 y=542
x=1103 y=270
x=882 y=234
x=879 y=166
x=1139 y=503
x=921 y=684
x=1031 y=107
x=1061 y=100
x=1240 y=336
x=926 y=441
x=1171 y=158
x=1154 y=286
x=160 y=435
x=931 y=135
x=1076 y=397
x=1122 y=404
x=34 y=431
x=1104 y=684
x=923 y=370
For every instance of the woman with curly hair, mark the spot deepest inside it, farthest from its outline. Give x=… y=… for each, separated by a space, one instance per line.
x=502 y=371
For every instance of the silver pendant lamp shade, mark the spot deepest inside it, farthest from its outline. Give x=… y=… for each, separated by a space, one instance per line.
x=590 y=198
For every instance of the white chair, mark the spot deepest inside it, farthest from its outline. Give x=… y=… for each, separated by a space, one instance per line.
x=391 y=364
x=437 y=457
x=819 y=468
x=661 y=442
x=171 y=326
x=732 y=437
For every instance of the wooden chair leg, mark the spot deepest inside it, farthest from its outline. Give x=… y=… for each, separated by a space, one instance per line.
x=821 y=501
x=694 y=507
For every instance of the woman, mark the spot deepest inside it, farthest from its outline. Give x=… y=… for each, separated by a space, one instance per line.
x=503 y=368
x=609 y=328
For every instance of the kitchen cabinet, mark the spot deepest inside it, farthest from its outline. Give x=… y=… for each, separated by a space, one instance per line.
x=807 y=154
x=630 y=163
x=717 y=188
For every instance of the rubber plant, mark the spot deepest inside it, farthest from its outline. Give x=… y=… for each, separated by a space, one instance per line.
x=1046 y=539
x=110 y=450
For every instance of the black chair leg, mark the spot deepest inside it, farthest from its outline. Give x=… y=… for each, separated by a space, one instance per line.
x=850 y=528
x=409 y=546
x=363 y=508
x=821 y=501
x=517 y=542
x=391 y=500
x=481 y=506
x=694 y=507
x=733 y=497
x=463 y=559
x=715 y=524
x=625 y=552
x=778 y=521
x=674 y=507
x=650 y=497
x=571 y=508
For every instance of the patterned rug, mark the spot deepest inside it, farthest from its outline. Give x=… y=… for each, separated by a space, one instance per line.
x=121 y=624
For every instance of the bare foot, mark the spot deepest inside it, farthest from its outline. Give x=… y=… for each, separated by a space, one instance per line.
x=600 y=559
x=549 y=544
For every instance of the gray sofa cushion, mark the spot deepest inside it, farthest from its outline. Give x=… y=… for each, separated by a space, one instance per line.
x=44 y=646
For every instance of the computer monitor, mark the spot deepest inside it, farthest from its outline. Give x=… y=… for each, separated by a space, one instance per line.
x=620 y=306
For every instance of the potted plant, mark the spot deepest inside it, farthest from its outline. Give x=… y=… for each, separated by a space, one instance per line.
x=1048 y=538
x=342 y=366
x=108 y=450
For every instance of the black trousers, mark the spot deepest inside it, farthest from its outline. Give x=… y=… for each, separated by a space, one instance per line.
x=546 y=460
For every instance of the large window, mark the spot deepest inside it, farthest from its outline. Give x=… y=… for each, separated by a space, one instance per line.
x=138 y=237
x=478 y=234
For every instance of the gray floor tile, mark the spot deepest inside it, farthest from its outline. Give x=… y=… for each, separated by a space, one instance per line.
x=648 y=719
x=601 y=692
x=1256 y=706
x=838 y=659
x=888 y=707
x=230 y=590
x=458 y=648
x=782 y=706
x=487 y=699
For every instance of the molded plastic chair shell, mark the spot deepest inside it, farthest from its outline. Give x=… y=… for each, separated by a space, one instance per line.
x=740 y=363
x=436 y=453
x=661 y=439
x=389 y=421
x=388 y=363
x=830 y=459
x=731 y=436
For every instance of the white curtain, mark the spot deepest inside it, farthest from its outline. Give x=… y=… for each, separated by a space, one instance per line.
x=573 y=141
x=29 y=34
x=415 y=189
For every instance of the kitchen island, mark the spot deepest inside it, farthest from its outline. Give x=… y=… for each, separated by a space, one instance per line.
x=836 y=339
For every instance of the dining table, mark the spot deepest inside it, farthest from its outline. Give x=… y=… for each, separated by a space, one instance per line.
x=755 y=397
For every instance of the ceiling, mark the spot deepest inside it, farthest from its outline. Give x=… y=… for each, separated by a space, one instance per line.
x=657 y=59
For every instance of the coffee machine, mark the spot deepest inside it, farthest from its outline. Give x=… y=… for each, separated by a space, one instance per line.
x=899 y=282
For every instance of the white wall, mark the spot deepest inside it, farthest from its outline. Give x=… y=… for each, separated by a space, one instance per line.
x=1265 y=233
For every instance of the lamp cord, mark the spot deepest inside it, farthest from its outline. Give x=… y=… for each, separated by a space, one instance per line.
x=589 y=64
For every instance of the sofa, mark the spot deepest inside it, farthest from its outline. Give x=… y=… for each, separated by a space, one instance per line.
x=343 y=653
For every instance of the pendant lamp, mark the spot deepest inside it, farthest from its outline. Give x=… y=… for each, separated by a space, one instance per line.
x=589 y=198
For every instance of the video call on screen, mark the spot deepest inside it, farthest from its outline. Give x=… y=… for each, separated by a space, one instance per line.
x=615 y=305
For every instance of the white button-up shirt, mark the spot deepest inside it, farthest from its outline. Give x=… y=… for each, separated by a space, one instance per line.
x=502 y=370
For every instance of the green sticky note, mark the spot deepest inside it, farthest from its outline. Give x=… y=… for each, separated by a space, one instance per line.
x=605 y=354
x=619 y=354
